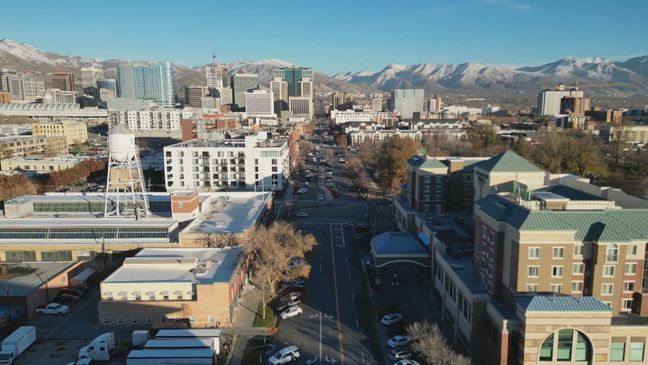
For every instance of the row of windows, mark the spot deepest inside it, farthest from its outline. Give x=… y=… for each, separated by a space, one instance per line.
x=578 y=269
x=149 y=295
x=149 y=320
x=611 y=252
x=618 y=350
x=463 y=303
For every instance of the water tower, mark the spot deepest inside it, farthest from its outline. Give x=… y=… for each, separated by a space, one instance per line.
x=125 y=190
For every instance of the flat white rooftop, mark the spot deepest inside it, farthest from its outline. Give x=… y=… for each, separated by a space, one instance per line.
x=159 y=265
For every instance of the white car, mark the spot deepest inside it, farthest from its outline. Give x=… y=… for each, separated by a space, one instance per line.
x=320 y=197
x=406 y=362
x=303 y=190
x=391 y=318
x=398 y=341
x=301 y=214
x=284 y=356
x=295 y=262
x=52 y=308
x=291 y=312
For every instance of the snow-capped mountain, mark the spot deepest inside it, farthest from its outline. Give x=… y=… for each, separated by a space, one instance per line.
x=630 y=76
x=24 y=57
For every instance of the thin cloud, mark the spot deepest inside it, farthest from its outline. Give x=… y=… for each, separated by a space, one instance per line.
x=510 y=4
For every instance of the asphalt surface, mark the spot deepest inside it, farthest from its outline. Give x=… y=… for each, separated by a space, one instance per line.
x=336 y=326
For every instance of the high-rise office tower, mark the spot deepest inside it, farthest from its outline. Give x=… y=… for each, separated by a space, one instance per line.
x=194 y=95
x=22 y=86
x=90 y=76
x=240 y=84
x=341 y=101
x=147 y=82
x=63 y=80
x=301 y=106
x=376 y=102
x=216 y=75
x=279 y=90
x=222 y=93
x=108 y=84
x=407 y=102
x=259 y=103
x=306 y=87
x=293 y=75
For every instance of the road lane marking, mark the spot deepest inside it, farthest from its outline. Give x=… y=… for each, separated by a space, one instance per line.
x=337 y=299
x=346 y=259
x=357 y=323
x=349 y=276
x=343 y=243
x=320 y=335
x=352 y=297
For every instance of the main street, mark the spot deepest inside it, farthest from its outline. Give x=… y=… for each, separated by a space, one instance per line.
x=337 y=326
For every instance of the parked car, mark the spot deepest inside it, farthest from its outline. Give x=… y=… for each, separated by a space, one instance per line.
x=284 y=356
x=293 y=295
x=295 y=262
x=320 y=197
x=406 y=362
x=398 y=354
x=391 y=318
x=52 y=308
x=302 y=214
x=291 y=312
x=67 y=298
x=283 y=305
x=398 y=341
x=303 y=190
x=74 y=291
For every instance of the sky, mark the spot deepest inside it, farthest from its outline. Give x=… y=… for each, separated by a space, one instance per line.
x=333 y=36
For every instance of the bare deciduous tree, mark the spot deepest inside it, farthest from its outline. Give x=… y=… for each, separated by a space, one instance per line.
x=217 y=240
x=429 y=343
x=272 y=248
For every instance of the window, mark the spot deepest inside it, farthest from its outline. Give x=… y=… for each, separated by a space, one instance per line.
x=626 y=305
x=608 y=271
x=534 y=252
x=607 y=289
x=634 y=249
x=578 y=269
x=546 y=350
x=532 y=288
x=558 y=252
x=564 y=349
x=612 y=253
x=532 y=271
x=628 y=286
x=637 y=349
x=577 y=286
x=557 y=271
x=149 y=320
x=106 y=321
x=578 y=250
x=556 y=288
x=617 y=349
x=133 y=321
x=566 y=345
x=631 y=269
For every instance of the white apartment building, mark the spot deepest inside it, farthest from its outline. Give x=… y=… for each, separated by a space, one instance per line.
x=167 y=120
x=456 y=111
x=359 y=137
x=346 y=116
x=253 y=162
x=259 y=103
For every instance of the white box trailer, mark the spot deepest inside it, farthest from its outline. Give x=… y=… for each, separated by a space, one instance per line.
x=189 y=343
x=171 y=357
x=185 y=333
x=16 y=343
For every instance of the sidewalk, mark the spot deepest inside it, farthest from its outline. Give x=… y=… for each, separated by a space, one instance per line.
x=242 y=327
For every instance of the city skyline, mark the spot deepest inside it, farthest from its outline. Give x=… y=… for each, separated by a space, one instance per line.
x=502 y=32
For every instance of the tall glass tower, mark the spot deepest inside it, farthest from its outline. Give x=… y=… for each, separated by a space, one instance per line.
x=147 y=82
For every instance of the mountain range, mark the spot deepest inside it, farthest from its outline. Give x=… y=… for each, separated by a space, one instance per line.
x=599 y=76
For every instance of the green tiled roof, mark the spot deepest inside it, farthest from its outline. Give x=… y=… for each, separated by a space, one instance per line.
x=432 y=163
x=615 y=225
x=508 y=161
x=555 y=303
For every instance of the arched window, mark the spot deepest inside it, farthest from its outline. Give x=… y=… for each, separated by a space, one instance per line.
x=612 y=253
x=566 y=345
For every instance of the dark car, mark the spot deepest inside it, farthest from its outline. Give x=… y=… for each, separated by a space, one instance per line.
x=73 y=291
x=66 y=298
x=82 y=287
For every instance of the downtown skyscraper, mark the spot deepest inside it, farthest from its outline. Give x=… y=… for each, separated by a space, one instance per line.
x=147 y=82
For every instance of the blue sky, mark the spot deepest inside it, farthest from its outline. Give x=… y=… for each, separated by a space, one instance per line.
x=333 y=36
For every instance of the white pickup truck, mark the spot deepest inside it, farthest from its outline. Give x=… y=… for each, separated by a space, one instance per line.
x=52 y=308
